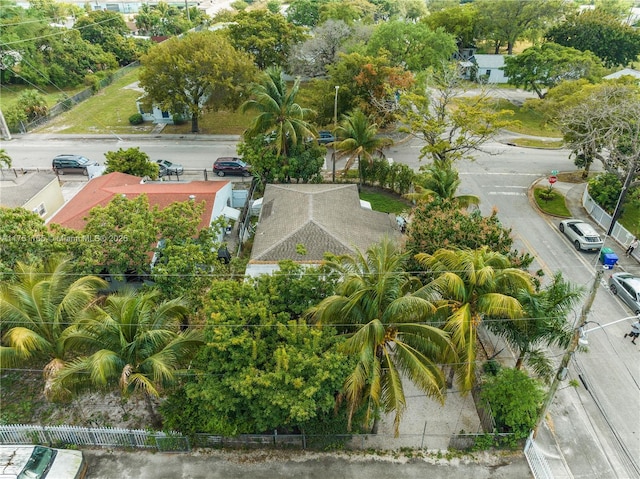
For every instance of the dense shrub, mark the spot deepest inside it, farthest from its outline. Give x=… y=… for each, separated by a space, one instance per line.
x=136 y=119
x=605 y=190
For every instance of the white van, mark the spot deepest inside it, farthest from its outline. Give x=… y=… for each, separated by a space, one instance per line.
x=40 y=462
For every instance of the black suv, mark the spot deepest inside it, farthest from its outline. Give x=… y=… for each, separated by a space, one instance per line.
x=231 y=166
x=71 y=164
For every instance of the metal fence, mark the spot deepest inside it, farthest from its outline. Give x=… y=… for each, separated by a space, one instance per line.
x=600 y=216
x=536 y=459
x=60 y=436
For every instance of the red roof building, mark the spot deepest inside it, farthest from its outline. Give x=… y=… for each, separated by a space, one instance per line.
x=100 y=191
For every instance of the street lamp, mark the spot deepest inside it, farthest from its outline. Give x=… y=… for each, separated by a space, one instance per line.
x=335 y=127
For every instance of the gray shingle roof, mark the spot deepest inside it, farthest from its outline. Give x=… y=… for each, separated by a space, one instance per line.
x=321 y=218
x=16 y=191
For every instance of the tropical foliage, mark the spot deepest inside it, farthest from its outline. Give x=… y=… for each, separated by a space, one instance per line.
x=38 y=309
x=387 y=332
x=468 y=287
x=440 y=180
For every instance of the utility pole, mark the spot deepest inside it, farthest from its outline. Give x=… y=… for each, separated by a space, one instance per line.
x=577 y=332
x=623 y=194
x=5 y=134
x=335 y=127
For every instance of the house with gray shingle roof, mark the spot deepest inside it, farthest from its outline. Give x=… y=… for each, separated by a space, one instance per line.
x=39 y=192
x=302 y=222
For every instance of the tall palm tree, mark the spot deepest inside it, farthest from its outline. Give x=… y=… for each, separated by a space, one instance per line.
x=468 y=287
x=386 y=330
x=440 y=180
x=278 y=112
x=545 y=324
x=133 y=341
x=357 y=140
x=37 y=308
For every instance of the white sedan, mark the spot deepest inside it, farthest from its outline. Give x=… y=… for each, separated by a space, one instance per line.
x=582 y=235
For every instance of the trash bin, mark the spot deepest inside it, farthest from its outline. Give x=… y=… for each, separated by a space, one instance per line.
x=603 y=252
x=609 y=259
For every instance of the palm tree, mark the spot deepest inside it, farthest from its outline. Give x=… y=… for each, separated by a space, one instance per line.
x=38 y=308
x=386 y=332
x=358 y=140
x=440 y=180
x=278 y=112
x=5 y=159
x=468 y=287
x=133 y=341
x=545 y=324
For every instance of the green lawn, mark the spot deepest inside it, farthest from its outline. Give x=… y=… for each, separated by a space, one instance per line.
x=9 y=94
x=107 y=112
x=555 y=206
x=385 y=202
x=533 y=143
x=530 y=121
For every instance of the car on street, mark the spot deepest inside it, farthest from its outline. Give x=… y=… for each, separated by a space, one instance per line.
x=25 y=462
x=228 y=165
x=325 y=137
x=62 y=164
x=627 y=287
x=168 y=168
x=581 y=234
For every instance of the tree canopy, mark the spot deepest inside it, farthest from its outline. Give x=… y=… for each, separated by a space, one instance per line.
x=545 y=66
x=131 y=161
x=601 y=33
x=200 y=70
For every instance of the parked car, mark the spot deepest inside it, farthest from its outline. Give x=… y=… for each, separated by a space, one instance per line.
x=168 y=168
x=62 y=164
x=228 y=165
x=24 y=462
x=582 y=235
x=325 y=137
x=627 y=287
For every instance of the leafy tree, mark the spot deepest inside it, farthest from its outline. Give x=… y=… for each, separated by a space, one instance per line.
x=605 y=190
x=312 y=57
x=412 y=45
x=133 y=342
x=545 y=324
x=278 y=113
x=5 y=159
x=109 y=30
x=166 y=20
x=441 y=181
x=24 y=238
x=349 y=11
x=38 y=307
x=387 y=332
x=452 y=127
x=609 y=39
x=439 y=224
x=122 y=234
x=261 y=367
x=546 y=65
x=267 y=37
x=198 y=71
x=305 y=13
x=459 y=20
x=131 y=161
x=357 y=140
x=507 y=21
x=515 y=400
x=469 y=287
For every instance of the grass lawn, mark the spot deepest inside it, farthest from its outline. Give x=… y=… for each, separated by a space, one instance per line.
x=556 y=206
x=384 y=201
x=630 y=219
x=532 y=143
x=215 y=123
x=106 y=112
x=9 y=94
x=530 y=122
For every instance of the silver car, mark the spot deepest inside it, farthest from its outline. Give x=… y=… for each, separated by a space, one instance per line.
x=627 y=287
x=582 y=235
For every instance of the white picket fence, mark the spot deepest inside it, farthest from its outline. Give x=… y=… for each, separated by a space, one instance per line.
x=91 y=436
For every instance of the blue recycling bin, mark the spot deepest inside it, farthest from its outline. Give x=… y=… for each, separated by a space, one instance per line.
x=609 y=259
